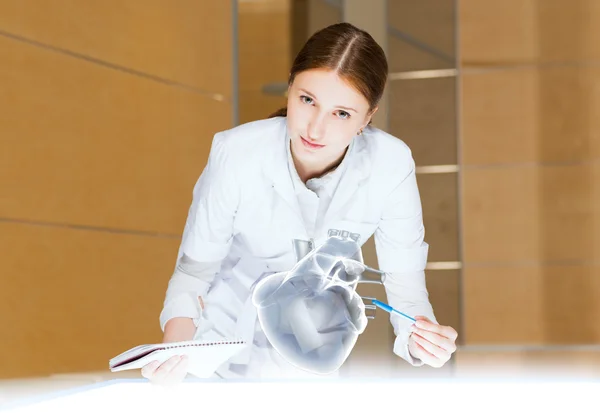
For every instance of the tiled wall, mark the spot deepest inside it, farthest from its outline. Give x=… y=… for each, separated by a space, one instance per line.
x=423 y=113
x=107 y=112
x=530 y=152
x=264 y=56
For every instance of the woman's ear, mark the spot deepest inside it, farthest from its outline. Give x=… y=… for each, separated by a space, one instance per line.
x=370 y=116
x=373 y=112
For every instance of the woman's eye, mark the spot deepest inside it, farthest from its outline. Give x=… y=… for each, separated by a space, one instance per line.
x=306 y=99
x=343 y=115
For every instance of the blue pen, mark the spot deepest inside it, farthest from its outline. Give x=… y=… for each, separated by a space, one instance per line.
x=391 y=309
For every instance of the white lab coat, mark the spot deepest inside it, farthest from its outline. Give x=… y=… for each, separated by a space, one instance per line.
x=245 y=214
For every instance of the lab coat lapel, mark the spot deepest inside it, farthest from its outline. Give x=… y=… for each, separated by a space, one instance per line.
x=277 y=172
x=354 y=176
x=276 y=169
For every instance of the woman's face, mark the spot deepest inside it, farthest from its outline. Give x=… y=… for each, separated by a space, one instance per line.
x=324 y=114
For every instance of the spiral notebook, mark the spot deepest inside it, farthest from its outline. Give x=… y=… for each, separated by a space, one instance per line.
x=205 y=357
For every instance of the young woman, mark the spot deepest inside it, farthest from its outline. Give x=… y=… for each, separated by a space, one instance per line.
x=314 y=166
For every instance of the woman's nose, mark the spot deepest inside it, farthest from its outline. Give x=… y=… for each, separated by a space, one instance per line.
x=317 y=128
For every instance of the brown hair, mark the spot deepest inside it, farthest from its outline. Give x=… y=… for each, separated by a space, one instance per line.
x=349 y=51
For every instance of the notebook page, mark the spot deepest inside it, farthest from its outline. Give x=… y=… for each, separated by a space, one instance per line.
x=204 y=360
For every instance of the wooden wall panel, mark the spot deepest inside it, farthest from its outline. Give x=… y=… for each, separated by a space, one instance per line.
x=108 y=113
x=185 y=41
x=528 y=214
x=497 y=33
x=429 y=22
x=265 y=57
x=528 y=31
x=72 y=299
x=87 y=145
x=531 y=115
x=530 y=147
x=532 y=304
x=424 y=117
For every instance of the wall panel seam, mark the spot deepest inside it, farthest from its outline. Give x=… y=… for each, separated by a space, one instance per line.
x=78 y=227
x=211 y=95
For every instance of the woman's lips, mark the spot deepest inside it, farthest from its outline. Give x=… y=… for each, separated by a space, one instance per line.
x=310 y=145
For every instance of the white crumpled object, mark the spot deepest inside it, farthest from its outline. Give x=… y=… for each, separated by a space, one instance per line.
x=312 y=314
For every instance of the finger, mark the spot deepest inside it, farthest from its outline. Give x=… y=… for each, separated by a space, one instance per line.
x=425 y=356
x=178 y=373
x=425 y=324
x=436 y=351
x=443 y=342
x=149 y=369
x=165 y=368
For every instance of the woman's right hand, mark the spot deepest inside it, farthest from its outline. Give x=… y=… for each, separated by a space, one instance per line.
x=174 y=369
x=171 y=371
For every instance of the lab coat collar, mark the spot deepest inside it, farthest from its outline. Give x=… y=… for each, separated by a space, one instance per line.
x=354 y=175
x=358 y=167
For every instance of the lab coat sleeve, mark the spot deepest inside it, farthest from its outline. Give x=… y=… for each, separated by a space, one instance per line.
x=402 y=254
x=207 y=234
x=190 y=280
x=208 y=231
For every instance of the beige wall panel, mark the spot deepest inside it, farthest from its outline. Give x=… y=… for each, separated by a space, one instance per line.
x=569 y=213
x=497 y=32
x=404 y=57
x=503 y=305
x=499 y=214
x=566 y=364
x=444 y=294
x=258 y=105
x=525 y=31
x=424 y=117
x=299 y=10
x=568 y=30
x=431 y=22
x=571 y=305
x=73 y=299
x=322 y=14
x=264 y=44
x=527 y=115
x=500 y=120
x=261 y=67
x=531 y=304
x=568 y=108
x=439 y=199
x=93 y=146
x=184 y=41
x=264 y=6
x=549 y=214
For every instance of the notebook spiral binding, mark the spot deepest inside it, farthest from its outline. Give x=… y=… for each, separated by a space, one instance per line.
x=214 y=343
x=122 y=360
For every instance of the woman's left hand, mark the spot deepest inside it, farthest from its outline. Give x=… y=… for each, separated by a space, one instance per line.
x=432 y=343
